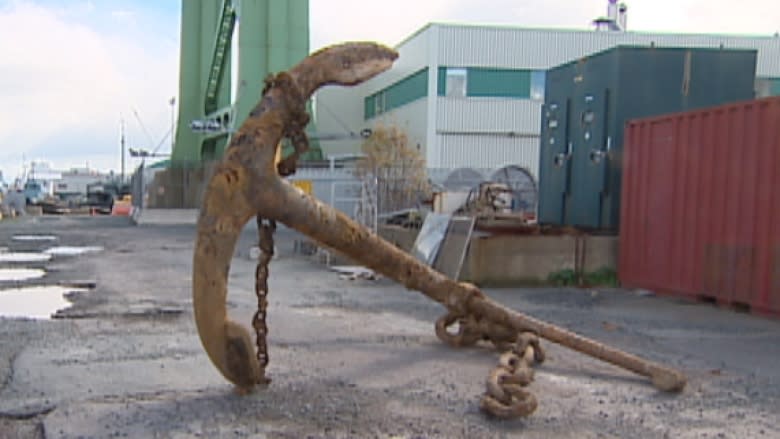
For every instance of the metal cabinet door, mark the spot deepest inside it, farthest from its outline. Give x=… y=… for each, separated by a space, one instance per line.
x=554 y=163
x=589 y=148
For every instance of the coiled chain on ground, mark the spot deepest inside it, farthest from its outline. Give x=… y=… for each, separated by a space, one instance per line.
x=505 y=396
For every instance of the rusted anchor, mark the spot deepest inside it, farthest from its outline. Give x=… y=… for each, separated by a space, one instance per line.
x=247 y=183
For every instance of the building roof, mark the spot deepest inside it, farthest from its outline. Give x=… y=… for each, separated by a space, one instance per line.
x=542 y=48
x=563 y=30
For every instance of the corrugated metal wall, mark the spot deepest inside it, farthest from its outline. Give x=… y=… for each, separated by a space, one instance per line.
x=338 y=109
x=494 y=115
x=487 y=133
x=700 y=204
x=413 y=55
x=486 y=151
x=413 y=118
x=341 y=108
x=483 y=46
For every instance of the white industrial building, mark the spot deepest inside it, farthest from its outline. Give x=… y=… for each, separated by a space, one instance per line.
x=471 y=96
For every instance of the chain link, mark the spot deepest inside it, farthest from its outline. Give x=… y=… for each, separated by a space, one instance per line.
x=472 y=329
x=265 y=229
x=505 y=396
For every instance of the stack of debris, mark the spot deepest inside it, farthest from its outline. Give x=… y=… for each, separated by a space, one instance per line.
x=355 y=272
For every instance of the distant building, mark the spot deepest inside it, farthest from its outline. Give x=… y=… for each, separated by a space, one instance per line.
x=41 y=181
x=471 y=96
x=73 y=183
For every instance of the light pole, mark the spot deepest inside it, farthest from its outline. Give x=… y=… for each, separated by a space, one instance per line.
x=172 y=102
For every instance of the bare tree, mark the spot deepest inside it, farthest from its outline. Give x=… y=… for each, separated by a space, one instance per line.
x=395 y=171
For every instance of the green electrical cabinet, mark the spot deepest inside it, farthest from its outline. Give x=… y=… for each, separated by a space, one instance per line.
x=587 y=103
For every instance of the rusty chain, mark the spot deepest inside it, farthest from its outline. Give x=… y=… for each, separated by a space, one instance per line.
x=472 y=329
x=505 y=396
x=294 y=131
x=265 y=231
x=294 y=128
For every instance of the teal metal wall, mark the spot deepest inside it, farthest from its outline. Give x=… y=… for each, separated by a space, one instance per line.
x=482 y=82
x=495 y=82
x=441 y=81
x=272 y=36
x=409 y=89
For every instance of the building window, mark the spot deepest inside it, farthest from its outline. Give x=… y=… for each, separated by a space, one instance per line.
x=379 y=103
x=537 y=85
x=369 y=109
x=456 y=82
x=441 y=81
x=766 y=87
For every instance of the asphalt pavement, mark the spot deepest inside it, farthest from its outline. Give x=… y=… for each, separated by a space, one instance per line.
x=348 y=358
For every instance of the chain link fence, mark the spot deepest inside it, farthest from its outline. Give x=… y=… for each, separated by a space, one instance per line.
x=367 y=200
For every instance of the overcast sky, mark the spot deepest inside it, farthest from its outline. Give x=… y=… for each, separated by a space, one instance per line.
x=70 y=70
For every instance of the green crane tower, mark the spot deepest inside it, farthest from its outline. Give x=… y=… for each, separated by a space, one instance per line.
x=272 y=36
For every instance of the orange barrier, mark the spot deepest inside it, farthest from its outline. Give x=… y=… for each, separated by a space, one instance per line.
x=121 y=208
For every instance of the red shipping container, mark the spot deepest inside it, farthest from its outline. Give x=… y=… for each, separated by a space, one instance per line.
x=700 y=213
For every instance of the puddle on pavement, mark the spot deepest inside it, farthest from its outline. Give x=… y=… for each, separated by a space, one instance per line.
x=34 y=238
x=24 y=257
x=20 y=274
x=71 y=251
x=569 y=381
x=326 y=311
x=38 y=302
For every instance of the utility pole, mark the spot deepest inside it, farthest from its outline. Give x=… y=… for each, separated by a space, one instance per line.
x=122 y=143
